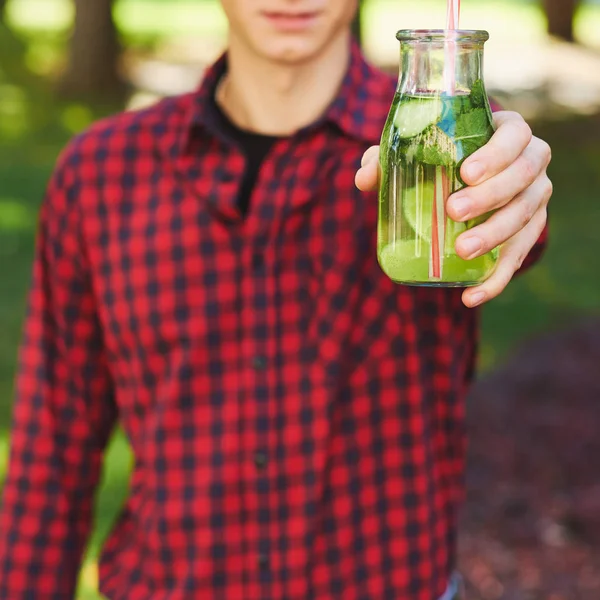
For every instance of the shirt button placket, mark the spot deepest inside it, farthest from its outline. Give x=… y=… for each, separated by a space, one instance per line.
x=260 y=365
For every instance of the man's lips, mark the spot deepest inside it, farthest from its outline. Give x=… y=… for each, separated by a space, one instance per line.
x=291 y=21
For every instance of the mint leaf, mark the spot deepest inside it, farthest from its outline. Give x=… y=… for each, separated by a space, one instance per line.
x=473 y=130
x=478 y=94
x=474 y=122
x=452 y=108
x=435 y=148
x=431 y=155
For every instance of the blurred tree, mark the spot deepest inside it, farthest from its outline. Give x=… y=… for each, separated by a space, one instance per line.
x=3 y=4
x=560 y=15
x=93 y=70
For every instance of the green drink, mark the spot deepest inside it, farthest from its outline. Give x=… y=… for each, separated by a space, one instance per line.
x=428 y=135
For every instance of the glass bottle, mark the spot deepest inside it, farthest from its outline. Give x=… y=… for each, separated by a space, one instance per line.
x=440 y=115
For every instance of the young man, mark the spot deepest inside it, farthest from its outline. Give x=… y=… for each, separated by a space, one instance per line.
x=206 y=275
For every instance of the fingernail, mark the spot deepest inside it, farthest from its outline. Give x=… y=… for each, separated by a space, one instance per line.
x=477 y=299
x=461 y=206
x=471 y=246
x=474 y=171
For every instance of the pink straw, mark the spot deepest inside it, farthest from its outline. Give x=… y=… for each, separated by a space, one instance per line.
x=453 y=17
x=453 y=20
x=435 y=264
x=439 y=216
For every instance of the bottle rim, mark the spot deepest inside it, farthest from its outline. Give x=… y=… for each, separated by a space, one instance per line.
x=443 y=35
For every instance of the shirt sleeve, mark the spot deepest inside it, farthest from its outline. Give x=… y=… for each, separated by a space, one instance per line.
x=64 y=411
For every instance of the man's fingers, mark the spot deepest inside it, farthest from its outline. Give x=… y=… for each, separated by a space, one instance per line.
x=367 y=177
x=370 y=155
x=494 y=193
x=512 y=255
x=507 y=144
x=507 y=222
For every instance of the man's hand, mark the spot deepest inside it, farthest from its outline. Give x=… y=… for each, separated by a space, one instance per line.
x=507 y=175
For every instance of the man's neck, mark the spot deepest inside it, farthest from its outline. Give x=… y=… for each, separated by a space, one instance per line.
x=278 y=99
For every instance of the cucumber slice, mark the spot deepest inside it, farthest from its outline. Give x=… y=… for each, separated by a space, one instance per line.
x=417 y=208
x=401 y=262
x=416 y=115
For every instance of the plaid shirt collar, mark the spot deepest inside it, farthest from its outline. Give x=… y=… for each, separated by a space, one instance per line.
x=348 y=112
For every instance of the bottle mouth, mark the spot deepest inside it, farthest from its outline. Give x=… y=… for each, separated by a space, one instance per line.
x=443 y=35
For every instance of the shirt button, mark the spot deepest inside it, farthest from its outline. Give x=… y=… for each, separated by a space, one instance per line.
x=259 y=363
x=263 y=562
x=260 y=460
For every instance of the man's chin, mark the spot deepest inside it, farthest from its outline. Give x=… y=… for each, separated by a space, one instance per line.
x=291 y=53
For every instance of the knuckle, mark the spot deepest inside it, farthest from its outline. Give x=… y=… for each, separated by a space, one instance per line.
x=548 y=189
x=497 y=284
x=490 y=239
x=527 y=215
x=547 y=152
x=521 y=129
x=518 y=263
x=486 y=195
x=542 y=220
x=511 y=115
x=486 y=244
x=525 y=129
x=519 y=260
x=508 y=273
x=528 y=170
x=370 y=155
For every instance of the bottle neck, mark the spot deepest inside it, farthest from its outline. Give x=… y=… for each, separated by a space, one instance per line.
x=439 y=67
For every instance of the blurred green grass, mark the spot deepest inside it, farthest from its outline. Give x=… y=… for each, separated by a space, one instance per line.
x=34 y=127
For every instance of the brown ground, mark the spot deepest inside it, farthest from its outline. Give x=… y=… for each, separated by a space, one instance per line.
x=531 y=527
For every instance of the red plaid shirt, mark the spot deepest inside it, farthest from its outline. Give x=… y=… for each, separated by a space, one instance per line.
x=297 y=419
